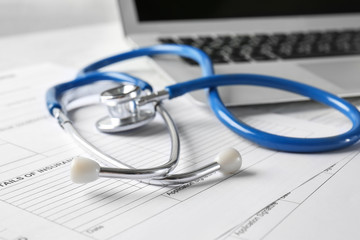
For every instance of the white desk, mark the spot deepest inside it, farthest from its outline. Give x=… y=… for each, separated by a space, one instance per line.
x=72 y=47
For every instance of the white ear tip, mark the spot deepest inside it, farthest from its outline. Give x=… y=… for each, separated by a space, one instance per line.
x=229 y=160
x=84 y=170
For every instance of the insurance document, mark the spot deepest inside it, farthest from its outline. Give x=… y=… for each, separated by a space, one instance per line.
x=38 y=200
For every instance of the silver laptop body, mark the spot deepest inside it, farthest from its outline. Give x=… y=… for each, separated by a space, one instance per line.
x=152 y=22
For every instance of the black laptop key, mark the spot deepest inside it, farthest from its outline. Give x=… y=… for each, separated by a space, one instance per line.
x=324 y=48
x=263 y=53
x=187 y=41
x=239 y=40
x=167 y=40
x=218 y=44
x=311 y=37
x=257 y=40
x=285 y=50
x=356 y=45
x=242 y=54
x=275 y=39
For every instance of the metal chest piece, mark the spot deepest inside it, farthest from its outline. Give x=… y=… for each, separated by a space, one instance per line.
x=124 y=112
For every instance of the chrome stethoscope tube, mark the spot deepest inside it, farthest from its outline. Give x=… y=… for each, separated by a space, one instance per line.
x=128 y=172
x=156 y=176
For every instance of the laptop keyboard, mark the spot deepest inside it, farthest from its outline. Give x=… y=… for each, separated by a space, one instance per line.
x=267 y=47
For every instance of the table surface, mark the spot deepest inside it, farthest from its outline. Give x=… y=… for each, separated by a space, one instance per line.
x=78 y=46
x=71 y=47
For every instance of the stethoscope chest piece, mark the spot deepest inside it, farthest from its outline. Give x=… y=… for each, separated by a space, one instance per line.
x=124 y=112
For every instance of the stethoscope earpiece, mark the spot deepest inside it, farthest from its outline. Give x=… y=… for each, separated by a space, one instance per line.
x=230 y=161
x=84 y=170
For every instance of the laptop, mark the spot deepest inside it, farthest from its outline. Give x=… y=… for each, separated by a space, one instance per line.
x=314 y=42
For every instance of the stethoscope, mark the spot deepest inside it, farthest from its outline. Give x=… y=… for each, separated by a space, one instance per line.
x=133 y=104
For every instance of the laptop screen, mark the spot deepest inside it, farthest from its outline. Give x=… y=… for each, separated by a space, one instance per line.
x=160 y=10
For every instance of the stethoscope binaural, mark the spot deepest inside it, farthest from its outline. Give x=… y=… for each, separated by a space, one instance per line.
x=134 y=104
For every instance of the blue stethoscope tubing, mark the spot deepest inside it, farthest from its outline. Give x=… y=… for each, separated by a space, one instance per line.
x=210 y=81
x=54 y=94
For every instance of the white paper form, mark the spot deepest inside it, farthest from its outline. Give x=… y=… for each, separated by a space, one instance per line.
x=268 y=223
x=38 y=201
x=332 y=212
x=27 y=144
